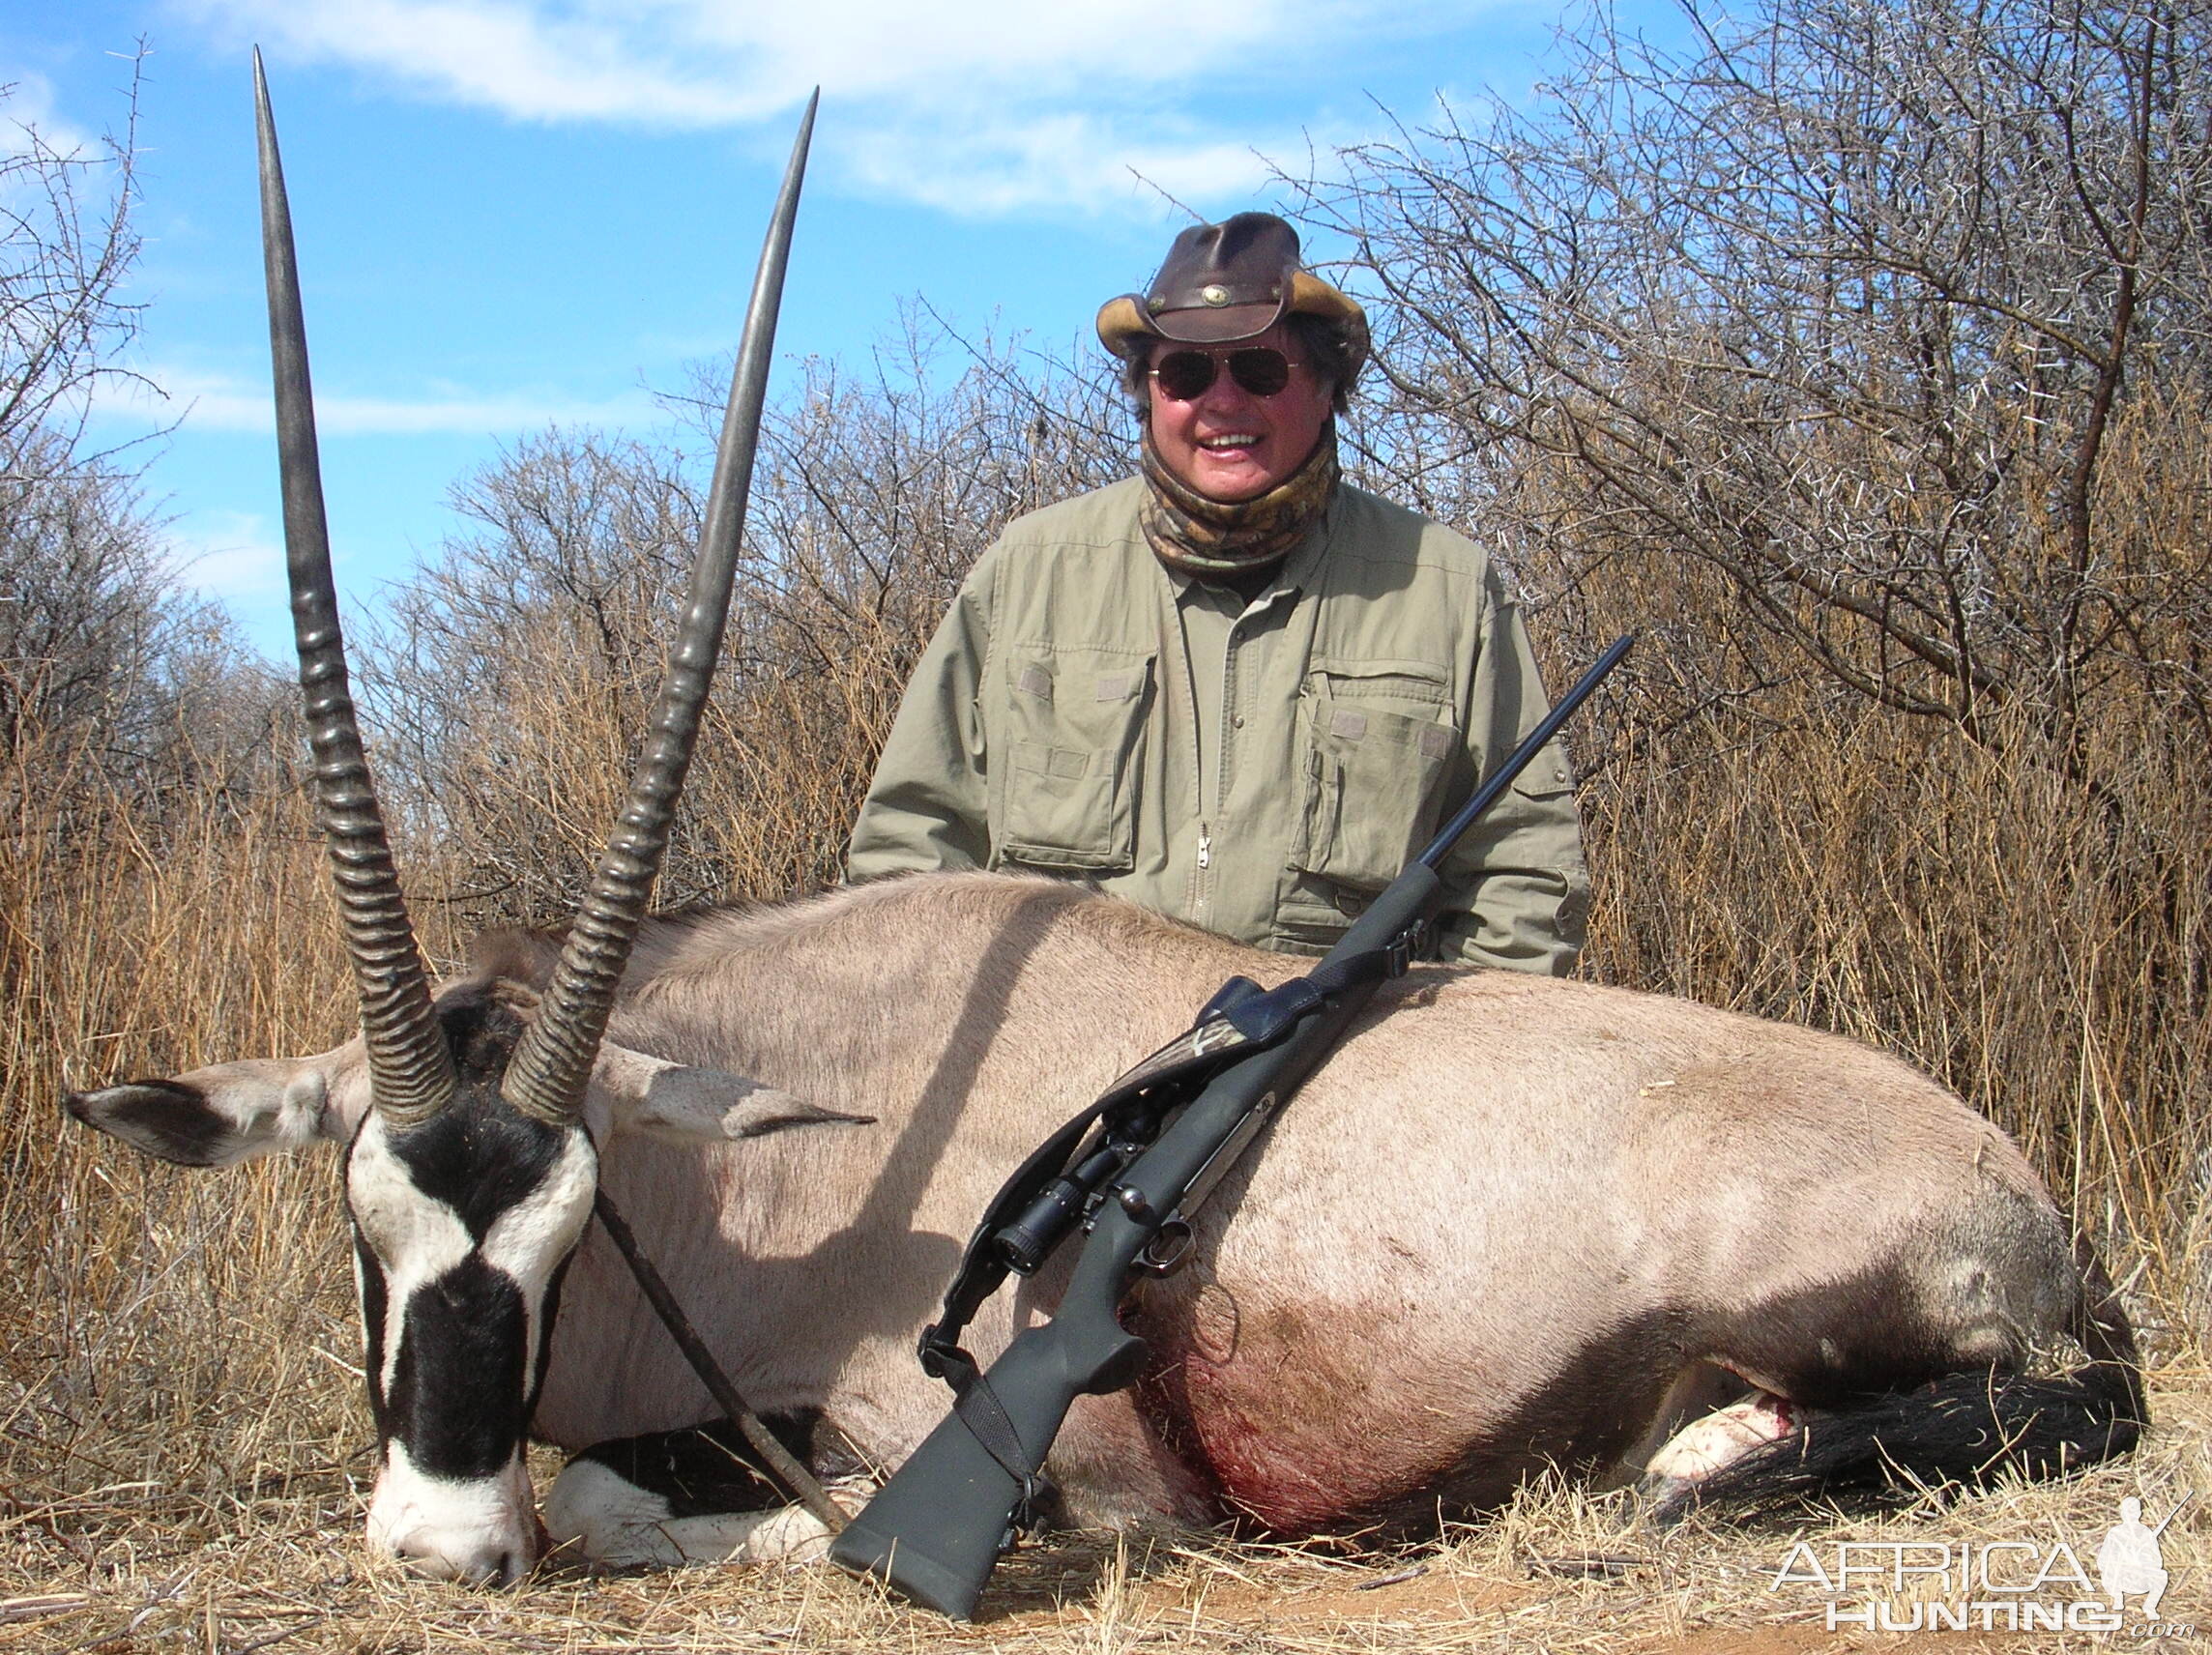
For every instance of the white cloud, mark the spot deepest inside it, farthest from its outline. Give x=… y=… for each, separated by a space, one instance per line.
x=707 y=62
x=977 y=106
x=203 y=402
x=29 y=108
x=47 y=159
x=1003 y=165
x=236 y=559
x=232 y=556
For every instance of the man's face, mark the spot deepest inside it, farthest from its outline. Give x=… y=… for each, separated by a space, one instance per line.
x=1228 y=444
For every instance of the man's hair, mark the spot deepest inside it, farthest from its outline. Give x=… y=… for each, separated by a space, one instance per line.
x=1320 y=341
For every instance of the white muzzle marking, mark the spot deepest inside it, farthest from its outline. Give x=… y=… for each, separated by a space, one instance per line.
x=483 y=1530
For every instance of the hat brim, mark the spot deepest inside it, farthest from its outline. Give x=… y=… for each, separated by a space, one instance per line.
x=1125 y=326
x=1310 y=296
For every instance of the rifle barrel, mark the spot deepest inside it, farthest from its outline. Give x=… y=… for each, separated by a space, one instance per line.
x=1518 y=760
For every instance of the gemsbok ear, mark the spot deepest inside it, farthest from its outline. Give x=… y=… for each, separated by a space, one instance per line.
x=680 y=1104
x=218 y=1116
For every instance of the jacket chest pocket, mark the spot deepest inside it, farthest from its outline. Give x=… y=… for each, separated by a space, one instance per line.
x=1375 y=748
x=1076 y=749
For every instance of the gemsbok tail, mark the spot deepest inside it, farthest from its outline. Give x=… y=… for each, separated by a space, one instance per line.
x=1963 y=1429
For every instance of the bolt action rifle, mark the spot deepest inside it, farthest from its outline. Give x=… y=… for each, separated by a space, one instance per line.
x=1131 y=1171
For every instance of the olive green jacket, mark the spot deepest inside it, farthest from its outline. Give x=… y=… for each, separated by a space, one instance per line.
x=1260 y=770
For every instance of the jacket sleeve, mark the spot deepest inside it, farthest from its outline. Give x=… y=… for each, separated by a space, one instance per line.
x=1517 y=892
x=927 y=807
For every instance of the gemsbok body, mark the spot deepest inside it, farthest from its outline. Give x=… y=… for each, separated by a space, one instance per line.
x=1513 y=1223
x=1510 y=1224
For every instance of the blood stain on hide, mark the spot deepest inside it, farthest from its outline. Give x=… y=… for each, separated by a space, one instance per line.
x=1265 y=1424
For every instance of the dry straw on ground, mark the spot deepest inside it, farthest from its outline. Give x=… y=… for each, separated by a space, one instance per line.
x=280 y=1566
x=1919 y=502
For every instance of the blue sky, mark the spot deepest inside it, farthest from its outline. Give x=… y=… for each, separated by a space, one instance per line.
x=512 y=213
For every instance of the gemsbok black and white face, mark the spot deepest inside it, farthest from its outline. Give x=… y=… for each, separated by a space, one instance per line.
x=462 y=1226
x=463 y=1222
x=468 y=1122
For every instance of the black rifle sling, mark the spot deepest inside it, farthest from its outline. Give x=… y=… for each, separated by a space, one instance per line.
x=1237 y=1020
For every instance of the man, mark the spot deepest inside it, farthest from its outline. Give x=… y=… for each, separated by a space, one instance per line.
x=1235 y=689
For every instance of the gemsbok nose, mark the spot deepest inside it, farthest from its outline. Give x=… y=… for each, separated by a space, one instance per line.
x=469 y=1565
x=472 y=1565
x=481 y=1531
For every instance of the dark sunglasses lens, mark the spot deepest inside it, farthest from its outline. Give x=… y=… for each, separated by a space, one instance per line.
x=1260 y=371
x=1184 y=374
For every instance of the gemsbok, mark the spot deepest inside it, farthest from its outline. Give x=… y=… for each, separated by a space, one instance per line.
x=1511 y=1224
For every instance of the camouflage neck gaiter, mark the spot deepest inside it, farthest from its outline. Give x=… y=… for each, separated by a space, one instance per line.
x=1212 y=539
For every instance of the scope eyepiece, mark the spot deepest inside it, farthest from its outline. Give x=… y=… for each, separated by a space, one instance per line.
x=1025 y=1244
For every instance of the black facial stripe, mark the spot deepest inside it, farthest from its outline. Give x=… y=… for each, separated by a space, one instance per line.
x=373 y=1300
x=456 y=1400
x=478 y=1157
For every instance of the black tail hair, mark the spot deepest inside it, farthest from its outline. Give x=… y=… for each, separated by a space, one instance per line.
x=1963 y=1430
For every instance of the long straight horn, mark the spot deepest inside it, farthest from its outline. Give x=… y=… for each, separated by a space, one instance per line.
x=411 y=1071
x=553 y=1064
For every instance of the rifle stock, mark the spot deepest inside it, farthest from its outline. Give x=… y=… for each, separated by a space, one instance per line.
x=935 y=1530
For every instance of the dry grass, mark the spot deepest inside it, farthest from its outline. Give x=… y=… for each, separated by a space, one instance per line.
x=282 y=1566
x=169 y=1339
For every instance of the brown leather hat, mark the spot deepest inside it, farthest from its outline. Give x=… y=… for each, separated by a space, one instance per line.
x=1228 y=281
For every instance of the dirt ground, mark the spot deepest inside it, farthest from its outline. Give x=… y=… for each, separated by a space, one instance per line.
x=280 y=1566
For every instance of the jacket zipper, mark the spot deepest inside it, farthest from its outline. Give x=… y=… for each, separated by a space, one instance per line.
x=1220 y=733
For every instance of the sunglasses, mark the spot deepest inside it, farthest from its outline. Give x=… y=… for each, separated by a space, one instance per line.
x=1259 y=369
